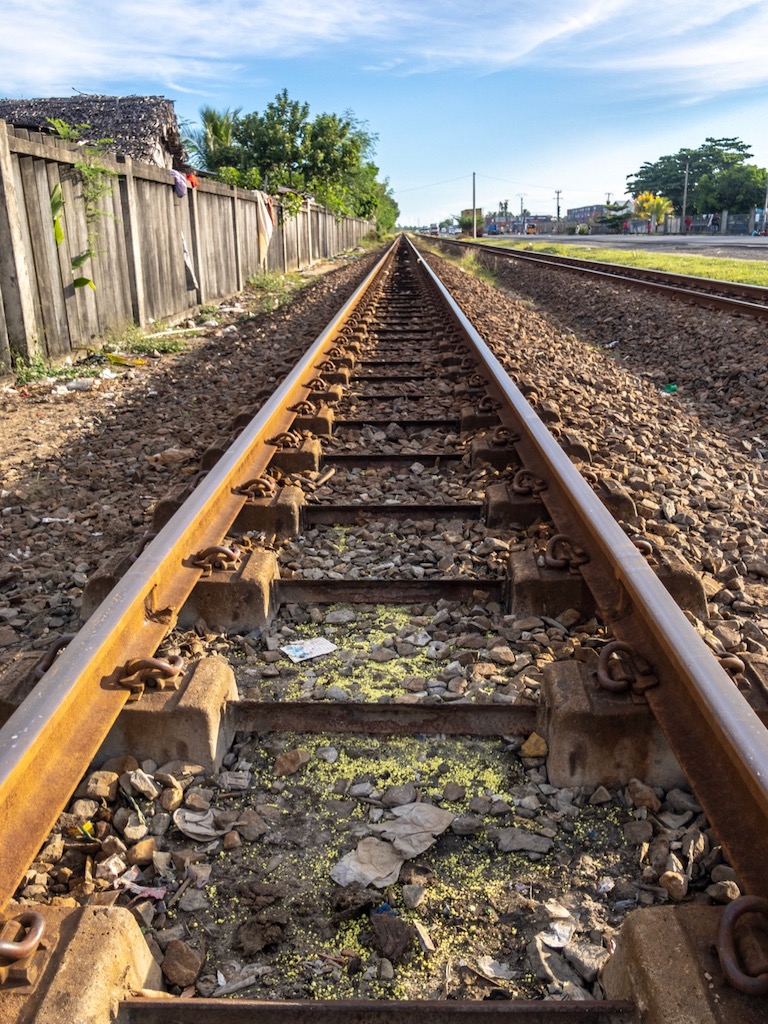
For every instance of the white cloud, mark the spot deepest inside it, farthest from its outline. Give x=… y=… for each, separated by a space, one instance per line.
x=696 y=49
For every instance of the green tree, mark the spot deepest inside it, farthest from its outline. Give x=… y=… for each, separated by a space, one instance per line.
x=615 y=215
x=736 y=189
x=274 y=141
x=666 y=176
x=213 y=145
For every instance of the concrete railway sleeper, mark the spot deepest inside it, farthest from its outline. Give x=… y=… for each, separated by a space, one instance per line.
x=464 y=700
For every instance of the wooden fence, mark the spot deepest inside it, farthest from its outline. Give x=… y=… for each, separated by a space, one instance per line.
x=157 y=254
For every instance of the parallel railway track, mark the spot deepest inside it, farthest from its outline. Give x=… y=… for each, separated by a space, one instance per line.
x=400 y=353
x=725 y=296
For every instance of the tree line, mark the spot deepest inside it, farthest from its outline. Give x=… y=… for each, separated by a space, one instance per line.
x=715 y=176
x=329 y=157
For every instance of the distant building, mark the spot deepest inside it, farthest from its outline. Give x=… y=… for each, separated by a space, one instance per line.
x=142 y=127
x=585 y=214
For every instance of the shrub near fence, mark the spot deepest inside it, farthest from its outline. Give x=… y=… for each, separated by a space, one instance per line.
x=157 y=254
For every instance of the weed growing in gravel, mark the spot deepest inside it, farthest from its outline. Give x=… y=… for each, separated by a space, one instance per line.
x=271 y=290
x=37 y=369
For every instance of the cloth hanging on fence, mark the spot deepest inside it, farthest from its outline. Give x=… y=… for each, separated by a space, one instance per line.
x=265 y=224
x=179 y=184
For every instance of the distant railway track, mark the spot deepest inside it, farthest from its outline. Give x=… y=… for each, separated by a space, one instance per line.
x=725 y=296
x=400 y=423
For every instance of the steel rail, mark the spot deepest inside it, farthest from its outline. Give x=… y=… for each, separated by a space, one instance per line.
x=720 y=741
x=372 y=1011
x=49 y=741
x=678 y=286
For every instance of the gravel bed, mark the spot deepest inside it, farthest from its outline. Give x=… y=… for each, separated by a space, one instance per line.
x=342 y=867
x=419 y=482
x=394 y=440
x=409 y=654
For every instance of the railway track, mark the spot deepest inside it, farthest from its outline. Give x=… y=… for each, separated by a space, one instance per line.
x=399 y=497
x=724 y=296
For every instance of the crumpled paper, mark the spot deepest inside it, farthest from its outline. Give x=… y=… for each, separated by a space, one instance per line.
x=373 y=862
x=415 y=827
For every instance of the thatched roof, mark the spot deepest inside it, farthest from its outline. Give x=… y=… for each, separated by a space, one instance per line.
x=142 y=127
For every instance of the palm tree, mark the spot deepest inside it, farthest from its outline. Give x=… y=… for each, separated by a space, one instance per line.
x=652 y=207
x=213 y=145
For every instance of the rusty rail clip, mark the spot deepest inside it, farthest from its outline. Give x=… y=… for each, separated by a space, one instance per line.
x=620 y=668
x=145 y=540
x=20 y=949
x=735 y=668
x=502 y=437
x=488 y=404
x=50 y=655
x=196 y=479
x=327 y=366
x=163 y=673
x=288 y=439
x=217 y=557
x=524 y=482
x=258 y=487
x=303 y=408
x=316 y=384
x=751 y=946
x=562 y=553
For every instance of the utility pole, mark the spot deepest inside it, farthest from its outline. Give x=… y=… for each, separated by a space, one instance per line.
x=474 y=208
x=608 y=197
x=522 y=212
x=685 y=191
x=558 y=193
x=765 y=211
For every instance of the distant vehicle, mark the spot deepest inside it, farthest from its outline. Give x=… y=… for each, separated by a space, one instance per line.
x=530 y=229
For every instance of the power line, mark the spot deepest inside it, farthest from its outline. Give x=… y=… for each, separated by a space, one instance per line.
x=415 y=188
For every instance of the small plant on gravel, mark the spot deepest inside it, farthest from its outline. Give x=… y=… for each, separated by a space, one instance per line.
x=37 y=369
x=132 y=338
x=271 y=290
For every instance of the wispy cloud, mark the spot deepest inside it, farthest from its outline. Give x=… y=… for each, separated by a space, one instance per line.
x=692 y=48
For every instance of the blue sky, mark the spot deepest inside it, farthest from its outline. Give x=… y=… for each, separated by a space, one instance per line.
x=532 y=95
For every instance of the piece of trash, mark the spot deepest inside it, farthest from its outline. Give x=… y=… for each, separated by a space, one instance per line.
x=558 y=934
x=373 y=862
x=198 y=825
x=669 y=389
x=425 y=939
x=611 y=344
x=416 y=827
x=303 y=650
x=124 y=360
x=495 y=969
x=605 y=884
x=171 y=456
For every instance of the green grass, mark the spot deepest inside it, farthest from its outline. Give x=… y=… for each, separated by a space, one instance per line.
x=37 y=369
x=271 y=290
x=721 y=269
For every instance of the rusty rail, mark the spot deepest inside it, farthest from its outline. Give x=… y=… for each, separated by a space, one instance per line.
x=211 y=1011
x=47 y=744
x=712 y=729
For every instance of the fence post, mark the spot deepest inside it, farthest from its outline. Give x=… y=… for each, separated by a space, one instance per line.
x=15 y=274
x=128 y=204
x=195 y=246
x=236 y=232
x=309 y=232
